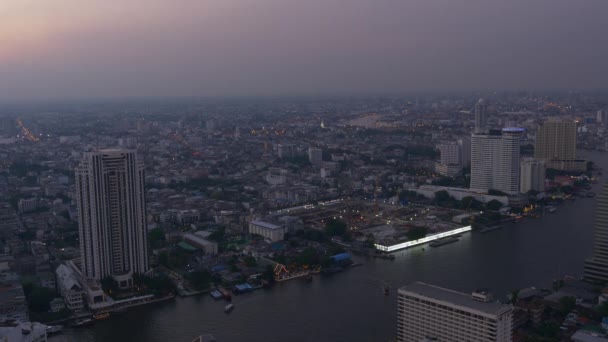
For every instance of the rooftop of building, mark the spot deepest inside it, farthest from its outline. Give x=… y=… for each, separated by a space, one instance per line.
x=25 y=332
x=265 y=224
x=455 y=298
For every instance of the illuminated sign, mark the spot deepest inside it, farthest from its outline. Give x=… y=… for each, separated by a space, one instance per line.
x=425 y=239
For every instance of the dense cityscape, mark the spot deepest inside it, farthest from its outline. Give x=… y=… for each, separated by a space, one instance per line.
x=319 y=170
x=129 y=204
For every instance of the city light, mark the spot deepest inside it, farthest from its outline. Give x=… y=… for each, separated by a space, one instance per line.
x=422 y=240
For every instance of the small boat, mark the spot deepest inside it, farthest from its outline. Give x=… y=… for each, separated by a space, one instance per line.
x=489 y=229
x=443 y=241
x=551 y=209
x=228 y=308
x=100 y=316
x=225 y=293
x=53 y=329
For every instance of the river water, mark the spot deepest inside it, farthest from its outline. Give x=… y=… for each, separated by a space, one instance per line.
x=350 y=306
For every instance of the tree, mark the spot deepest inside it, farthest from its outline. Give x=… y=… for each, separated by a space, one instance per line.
x=495 y=192
x=494 y=205
x=156 y=237
x=370 y=241
x=200 y=279
x=416 y=233
x=218 y=234
x=566 y=304
x=441 y=196
x=250 y=261
x=603 y=309
x=163 y=259
x=514 y=296
x=38 y=298
x=335 y=227
x=268 y=273
x=109 y=285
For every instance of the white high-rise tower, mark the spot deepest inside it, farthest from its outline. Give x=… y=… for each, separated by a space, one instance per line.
x=495 y=161
x=112 y=215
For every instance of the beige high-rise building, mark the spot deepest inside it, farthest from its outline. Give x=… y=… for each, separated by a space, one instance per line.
x=430 y=312
x=556 y=145
x=112 y=215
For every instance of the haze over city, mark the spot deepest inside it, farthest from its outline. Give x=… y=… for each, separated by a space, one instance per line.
x=313 y=170
x=71 y=49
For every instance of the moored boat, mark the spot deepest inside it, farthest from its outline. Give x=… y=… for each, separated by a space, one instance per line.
x=228 y=308
x=443 y=241
x=102 y=315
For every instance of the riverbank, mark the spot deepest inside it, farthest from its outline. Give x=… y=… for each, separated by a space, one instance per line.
x=532 y=252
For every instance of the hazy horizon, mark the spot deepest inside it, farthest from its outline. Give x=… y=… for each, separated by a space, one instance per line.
x=67 y=49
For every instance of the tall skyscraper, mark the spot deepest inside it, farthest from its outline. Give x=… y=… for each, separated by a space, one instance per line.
x=495 y=161
x=430 y=312
x=481 y=117
x=532 y=175
x=112 y=215
x=596 y=267
x=556 y=145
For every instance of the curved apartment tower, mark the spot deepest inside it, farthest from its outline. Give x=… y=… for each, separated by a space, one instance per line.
x=112 y=215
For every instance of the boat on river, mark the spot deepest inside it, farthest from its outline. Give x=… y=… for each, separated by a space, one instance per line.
x=443 y=241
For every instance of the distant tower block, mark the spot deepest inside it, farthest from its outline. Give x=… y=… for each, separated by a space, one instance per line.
x=481 y=117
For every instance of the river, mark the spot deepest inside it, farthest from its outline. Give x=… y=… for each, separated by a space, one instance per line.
x=350 y=306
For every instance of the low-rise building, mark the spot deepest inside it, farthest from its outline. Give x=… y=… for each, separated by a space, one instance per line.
x=13 y=303
x=428 y=311
x=269 y=231
x=24 y=332
x=57 y=304
x=70 y=288
x=209 y=247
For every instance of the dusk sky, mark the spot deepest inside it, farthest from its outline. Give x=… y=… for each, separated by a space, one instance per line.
x=76 y=48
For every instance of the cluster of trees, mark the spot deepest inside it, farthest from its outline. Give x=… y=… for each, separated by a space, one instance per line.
x=309 y=257
x=416 y=233
x=156 y=238
x=443 y=199
x=200 y=280
x=38 y=298
x=159 y=284
x=38 y=301
x=176 y=258
x=423 y=151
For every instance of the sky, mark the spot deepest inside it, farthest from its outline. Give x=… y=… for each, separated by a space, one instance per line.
x=64 y=49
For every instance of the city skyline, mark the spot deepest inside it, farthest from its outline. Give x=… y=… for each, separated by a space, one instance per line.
x=348 y=170
x=281 y=48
